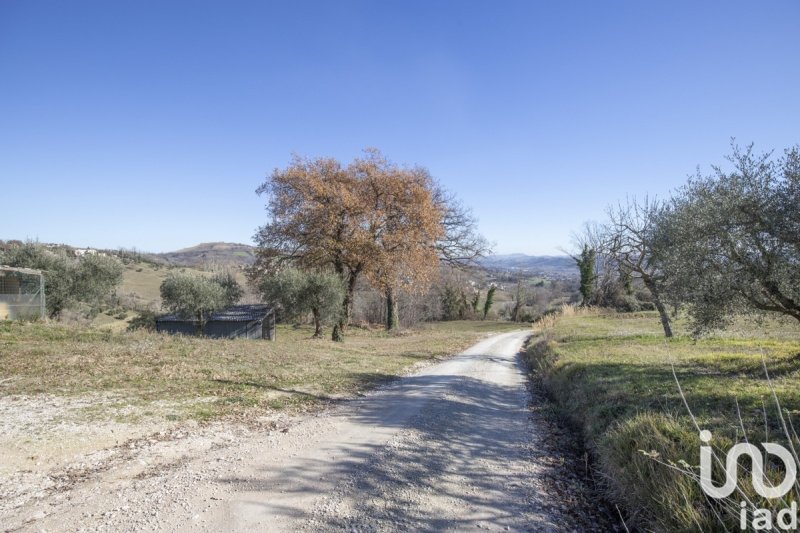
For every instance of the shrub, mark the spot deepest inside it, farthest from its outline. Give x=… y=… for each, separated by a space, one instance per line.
x=146 y=321
x=626 y=303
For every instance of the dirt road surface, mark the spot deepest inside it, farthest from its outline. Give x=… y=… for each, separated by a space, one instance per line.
x=449 y=448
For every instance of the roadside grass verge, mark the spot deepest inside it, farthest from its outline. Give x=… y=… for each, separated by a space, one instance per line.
x=611 y=375
x=212 y=378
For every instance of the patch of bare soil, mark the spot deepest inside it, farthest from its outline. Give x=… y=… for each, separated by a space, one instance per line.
x=566 y=471
x=49 y=443
x=456 y=446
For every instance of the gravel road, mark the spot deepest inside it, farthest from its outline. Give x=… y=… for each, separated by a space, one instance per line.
x=452 y=447
x=444 y=449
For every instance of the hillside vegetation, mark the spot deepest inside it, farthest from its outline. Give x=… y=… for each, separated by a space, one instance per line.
x=139 y=291
x=611 y=375
x=211 y=254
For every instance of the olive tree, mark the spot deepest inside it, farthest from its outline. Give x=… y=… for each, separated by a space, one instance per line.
x=233 y=290
x=299 y=292
x=194 y=296
x=69 y=281
x=730 y=240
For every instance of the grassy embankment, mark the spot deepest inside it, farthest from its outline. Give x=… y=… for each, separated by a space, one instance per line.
x=211 y=378
x=611 y=375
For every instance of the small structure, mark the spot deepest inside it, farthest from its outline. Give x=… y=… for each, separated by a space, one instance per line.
x=21 y=293
x=255 y=321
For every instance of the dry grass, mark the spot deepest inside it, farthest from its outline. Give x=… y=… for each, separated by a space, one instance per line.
x=141 y=289
x=611 y=374
x=144 y=281
x=216 y=377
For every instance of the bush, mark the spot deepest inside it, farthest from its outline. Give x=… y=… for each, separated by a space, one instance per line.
x=627 y=303
x=527 y=315
x=647 y=306
x=145 y=321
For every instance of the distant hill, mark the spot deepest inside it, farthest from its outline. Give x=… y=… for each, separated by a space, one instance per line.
x=211 y=253
x=549 y=264
x=235 y=254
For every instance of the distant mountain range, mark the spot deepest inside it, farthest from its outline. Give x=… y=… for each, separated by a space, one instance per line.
x=235 y=254
x=229 y=254
x=535 y=263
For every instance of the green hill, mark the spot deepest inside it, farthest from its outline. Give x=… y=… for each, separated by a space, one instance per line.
x=211 y=255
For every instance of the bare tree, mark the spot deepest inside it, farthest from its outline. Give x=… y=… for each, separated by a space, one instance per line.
x=462 y=245
x=520 y=299
x=629 y=241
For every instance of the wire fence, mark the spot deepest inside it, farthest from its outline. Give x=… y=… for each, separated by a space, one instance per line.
x=21 y=294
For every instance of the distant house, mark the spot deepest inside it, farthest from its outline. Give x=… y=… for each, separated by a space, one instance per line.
x=255 y=321
x=80 y=252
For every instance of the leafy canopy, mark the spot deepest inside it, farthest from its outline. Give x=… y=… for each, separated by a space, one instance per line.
x=194 y=296
x=299 y=292
x=731 y=240
x=69 y=281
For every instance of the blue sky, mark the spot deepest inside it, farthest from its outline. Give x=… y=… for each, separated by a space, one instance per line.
x=150 y=124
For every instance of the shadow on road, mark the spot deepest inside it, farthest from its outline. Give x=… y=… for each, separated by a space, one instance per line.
x=458 y=452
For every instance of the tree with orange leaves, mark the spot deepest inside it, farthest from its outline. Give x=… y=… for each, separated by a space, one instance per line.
x=371 y=217
x=317 y=219
x=406 y=224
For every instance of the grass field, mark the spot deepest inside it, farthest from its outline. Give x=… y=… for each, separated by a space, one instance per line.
x=141 y=289
x=612 y=375
x=209 y=377
x=143 y=280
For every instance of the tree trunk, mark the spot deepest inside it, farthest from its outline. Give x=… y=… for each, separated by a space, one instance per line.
x=347 y=305
x=392 y=320
x=517 y=303
x=348 y=299
x=662 y=311
x=200 y=324
x=317 y=323
x=337 y=335
x=347 y=310
x=515 y=310
x=344 y=317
